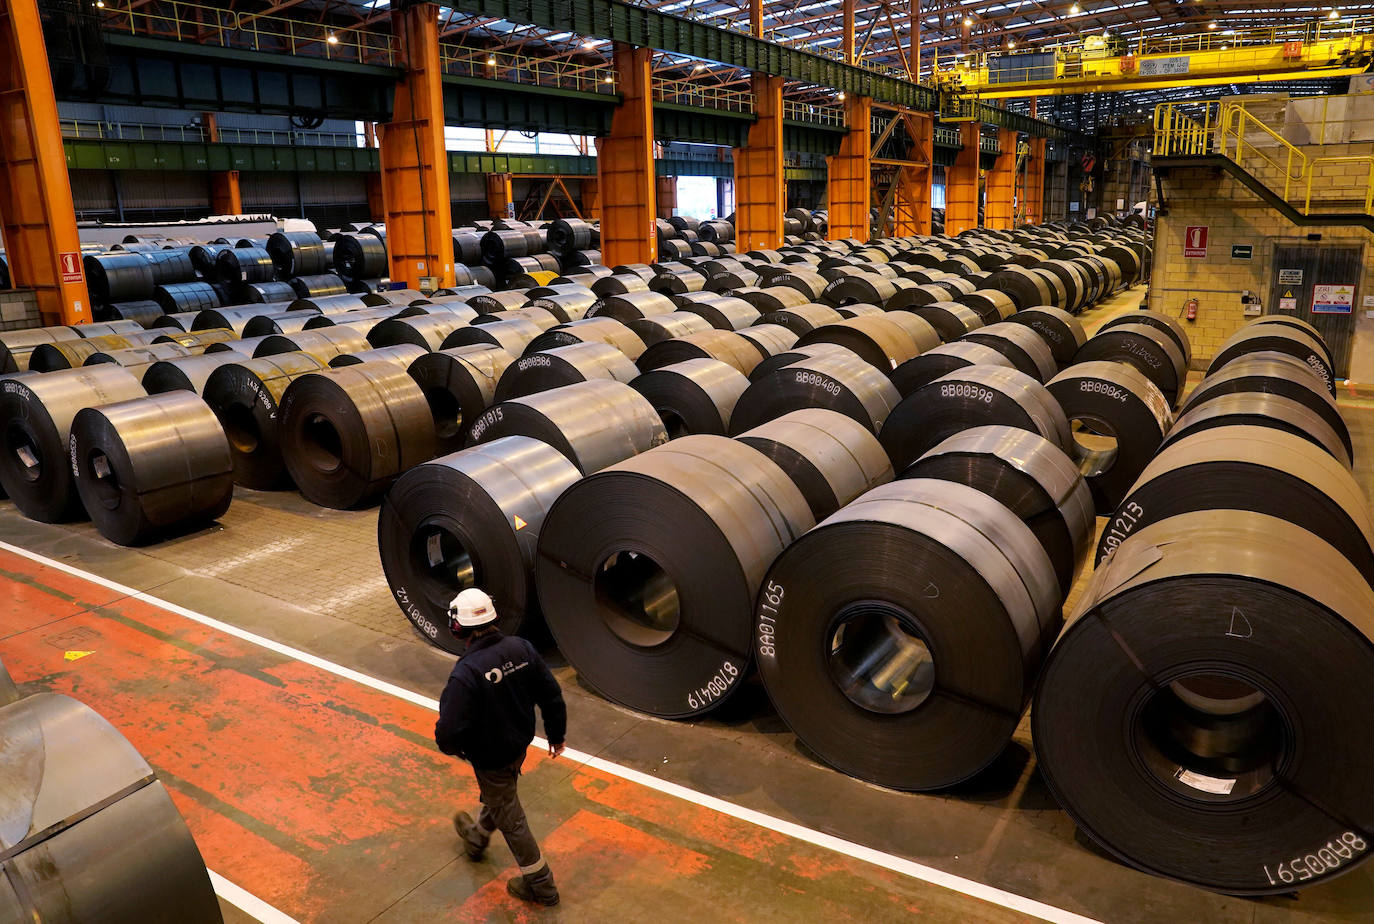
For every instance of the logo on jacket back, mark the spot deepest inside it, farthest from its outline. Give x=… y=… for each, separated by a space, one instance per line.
x=494 y=675
x=497 y=674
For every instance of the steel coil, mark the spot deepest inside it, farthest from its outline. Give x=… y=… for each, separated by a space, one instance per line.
x=619 y=284
x=487 y=302
x=459 y=384
x=323 y=343
x=900 y=639
x=631 y=306
x=469 y=517
x=267 y=293
x=590 y=330
x=878 y=340
x=541 y=318
x=802 y=319
x=567 y=306
x=727 y=346
x=118 y=277
x=297 y=253
x=656 y=562
x=245 y=395
x=569 y=234
x=195 y=340
x=511 y=336
x=346 y=433
x=940 y=361
x=359 y=256
x=992 y=306
x=1026 y=350
x=1060 y=330
x=769 y=339
x=559 y=366
x=1277 y=338
x=170 y=265
x=1149 y=349
x=595 y=423
x=35 y=466
x=426 y=330
x=244 y=347
x=137 y=359
x=244 y=264
x=400 y=355
x=235 y=319
x=974 y=396
x=950 y=320
x=662 y=327
x=1252 y=468
x=1260 y=410
x=836 y=379
x=1185 y=718
x=291 y=322
x=329 y=304
x=1284 y=320
x=831 y=458
x=693 y=396
x=144 y=313
x=152 y=466
x=1161 y=322
x=187 y=373
x=1028 y=475
x=773 y=298
x=1024 y=288
x=69 y=354
x=722 y=311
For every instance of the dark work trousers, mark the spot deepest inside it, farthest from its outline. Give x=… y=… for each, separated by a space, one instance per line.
x=502 y=811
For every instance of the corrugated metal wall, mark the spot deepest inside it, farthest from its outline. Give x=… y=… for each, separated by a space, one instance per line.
x=334 y=189
x=164 y=191
x=269 y=192
x=93 y=192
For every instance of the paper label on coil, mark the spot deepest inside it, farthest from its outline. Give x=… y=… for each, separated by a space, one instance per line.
x=1211 y=784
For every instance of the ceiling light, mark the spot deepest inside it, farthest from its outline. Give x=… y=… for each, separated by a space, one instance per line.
x=1211 y=25
x=1010 y=43
x=968 y=20
x=491 y=59
x=1333 y=15
x=1075 y=10
x=100 y=4
x=841 y=96
x=699 y=67
x=589 y=44
x=333 y=39
x=608 y=78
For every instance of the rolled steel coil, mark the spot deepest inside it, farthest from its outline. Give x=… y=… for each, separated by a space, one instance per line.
x=291 y=322
x=359 y=256
x=725 y=345
x=1119 y=420
x=659 y=327
x=859 y=310
x=245 y=395
x=1277 y=338
x=171 y=265
x=151 y=467
x=459 y=384
x=569 y=234
x=1028 y=475
x=203 y=258
x=992 y=306
x=1079 y=290
x=836 y=379
x=488 y=302
x=950 y=320
x=1260 y=410
x=500 y=246
x=940 y=361
x=1252 y=468
x=467 y=248
x=329 y=304
x=137 y=359
x=716 y=232
x=1147 y=348
x=591 y=330
x=693 y=396
x=722 y=311
x=854 y=672
x=526 y=272
x=942 y=292
x=298 y=254
x=426 y=330
x=244 y=264
x=795 y=354
x=810 y=285
x=654 y=611
x=35 y=466
x=75 y=787
x=625 y=308
x=322 y=285
x=195 y=340
x=567 y=365
x=831 y=458
x=511 y=336
x=402 y=355
x=541 y=318
x=69 y=354
x=118 y=277
x=878 y=340
x=1024 y=288
x=619 y=284
x=803 y=319
x=769 y=339
x=347 y=432
x=187 y=373
x=1026 y=350
x=1060 y=330
x=1284 y=320
x=323 y=343
x=566 y=306
x=1158 y=321
x=1278 y=376
x=235 y=319
x=265 y=293
x=16 y=346
x=244 y=347
x=401 y=298
x=145 y=313
x=594 y=423
x=470 y=518
x=772 y=298
x=974 y=396
x=860 y=288
x=1185 y=721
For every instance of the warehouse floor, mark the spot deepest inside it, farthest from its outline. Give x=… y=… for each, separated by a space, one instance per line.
x=312 y=784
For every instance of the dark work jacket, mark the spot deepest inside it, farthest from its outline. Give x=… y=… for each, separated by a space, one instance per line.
x=486 y=714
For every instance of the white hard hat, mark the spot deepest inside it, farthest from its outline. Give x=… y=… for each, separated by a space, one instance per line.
x=470 y=609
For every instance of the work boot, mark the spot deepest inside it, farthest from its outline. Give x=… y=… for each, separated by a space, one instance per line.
x=536 y=888
x=474 y=838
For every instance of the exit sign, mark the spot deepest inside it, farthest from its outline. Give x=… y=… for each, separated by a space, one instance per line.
x=1242 y=251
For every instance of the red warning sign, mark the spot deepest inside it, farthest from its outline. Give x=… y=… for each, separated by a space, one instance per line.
x=71 y=266
x=1195 y=241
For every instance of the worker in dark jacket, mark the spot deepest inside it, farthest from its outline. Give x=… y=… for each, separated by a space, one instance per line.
x=486 y=717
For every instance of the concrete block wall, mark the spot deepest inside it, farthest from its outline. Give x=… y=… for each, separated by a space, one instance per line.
x=19 y=309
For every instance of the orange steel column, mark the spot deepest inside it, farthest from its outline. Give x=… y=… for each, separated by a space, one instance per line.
x=848 y=191
x=625 y=165
x=225 y=196
x=376 y=202
x=591 y=199
x=419 y=215
x=999 y=210
x=37 y=217
x=1034 y=190
x=760 y=192
x=665 y=195
x=961 y=182
x=500 y=200
x=913 y=190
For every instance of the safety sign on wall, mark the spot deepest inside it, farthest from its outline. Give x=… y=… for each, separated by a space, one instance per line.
x=71 y=266
x=1290 y=277
x=1288 y=301
x=1333 y=299
x=1195 y=241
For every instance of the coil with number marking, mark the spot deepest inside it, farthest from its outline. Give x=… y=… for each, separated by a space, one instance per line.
x=567 y=365
x=1277 y=338
x=1196 y=677
x=1024 y=348
x=187 y=373
x=35 y=464
x=655 y=563
x=467 y=519
x=1119 y=420
x=940 y=361
x=1261 y=410
x=834 y=378
x=458 y=384
x=1250 y=468
x=1060 y=330
x=1297 y=324
x=974 y=396
x=1159 y=321
x=880 y=340
x=900 y=638
x=1150 y=349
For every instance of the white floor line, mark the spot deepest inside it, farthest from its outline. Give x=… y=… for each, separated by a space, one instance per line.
x=969 y=887
x=247 y=902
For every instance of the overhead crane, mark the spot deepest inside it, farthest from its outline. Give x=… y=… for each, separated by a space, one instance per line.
x=1104 y=63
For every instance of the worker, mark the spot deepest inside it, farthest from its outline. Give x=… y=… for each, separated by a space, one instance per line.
x=486 y=717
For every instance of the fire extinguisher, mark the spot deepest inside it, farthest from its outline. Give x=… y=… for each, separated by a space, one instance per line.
x=1190 y=310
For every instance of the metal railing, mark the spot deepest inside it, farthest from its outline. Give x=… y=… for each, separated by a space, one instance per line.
x=462 y=61
x=136 y=131
x=687 y=93
x=812 y=112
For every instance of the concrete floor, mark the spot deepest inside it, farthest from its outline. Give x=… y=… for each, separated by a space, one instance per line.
x=328 y=800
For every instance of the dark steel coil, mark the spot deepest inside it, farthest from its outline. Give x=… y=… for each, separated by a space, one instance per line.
x=694 y=396
x=145 y=312
x=323 y=343
x=974 y=396
x=359 y=256
x=1024 y=348
x=950 y=320
x=267 y=293
x=654 y=608
x=35 y=465
x=245 y=396
x=500 y=246
x=187 y=373
x=1260 y=410
x=118 y=277
x=795 y=354
x=1277 y=338
x=1028 y=475
x=1024 y=288
x=171 y=265
x=879 y=340
x=566 y=365
x=467 y=519
x=900 y=639
x=69 y=354
x=1161 y=322
x=1185 y=718
x=660 y=327
x=939 y=361
x=458 y=384
x=831 y=458
x=244 y=264
x=176 y=298
x=590 y=330
x=151 y=467
x=1147 y=348
x=298 y=253
x=467 y=248
x=569 y=234
x=1060 y=330
x=426 y=330
x=725 y=345
x=836 y=379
